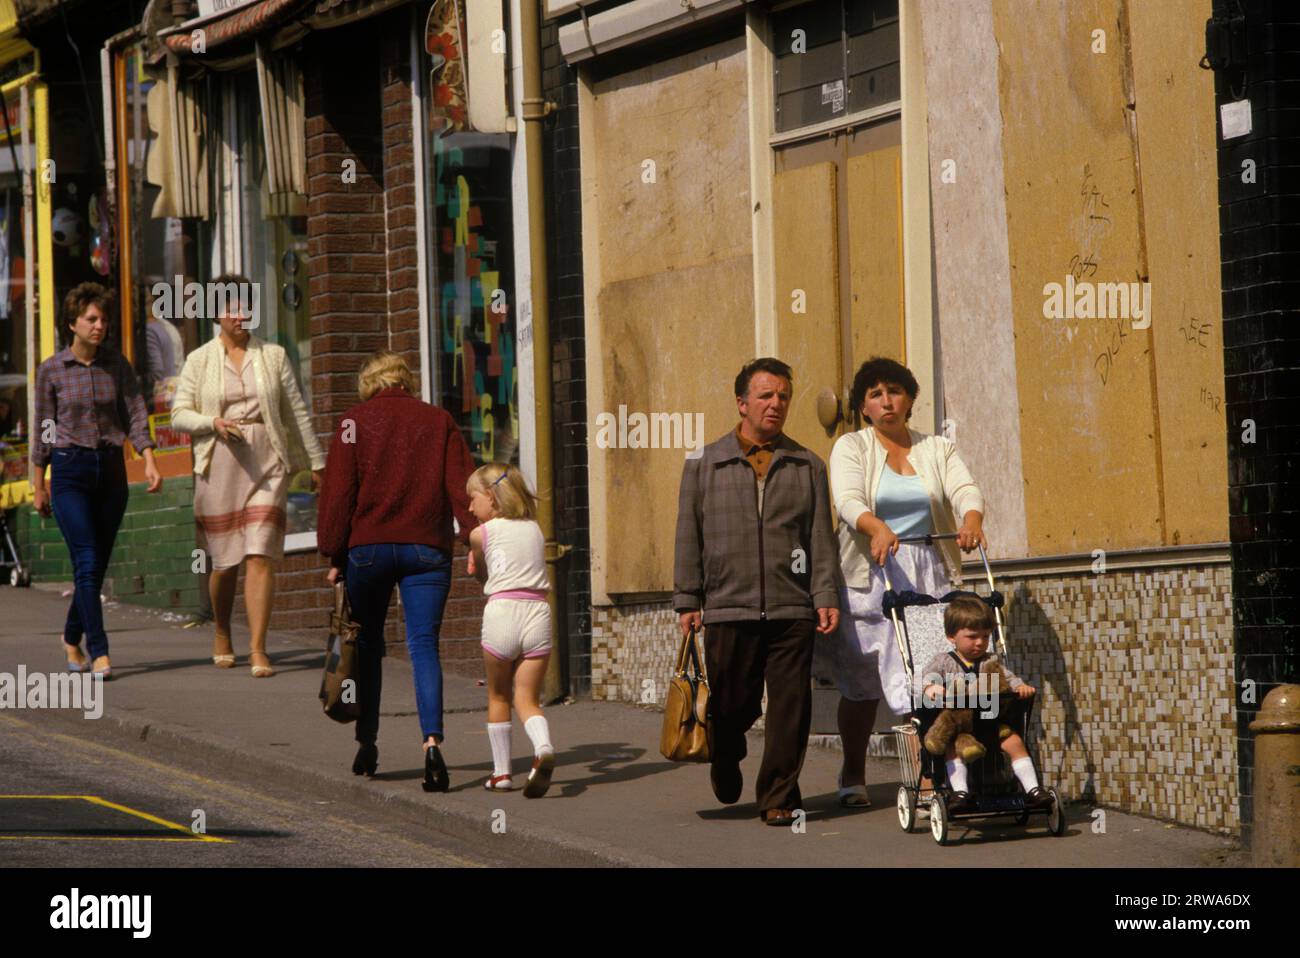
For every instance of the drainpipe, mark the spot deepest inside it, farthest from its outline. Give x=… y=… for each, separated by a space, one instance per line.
x=534 y=110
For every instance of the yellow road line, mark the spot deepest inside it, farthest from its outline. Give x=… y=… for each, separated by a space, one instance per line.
x=104 y=803
x=95 y=838
x=102 y=752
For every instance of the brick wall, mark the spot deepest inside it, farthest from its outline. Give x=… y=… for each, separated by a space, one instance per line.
x=1259 y=224
x=152 y=555
x=563 y=186
x=363 y=272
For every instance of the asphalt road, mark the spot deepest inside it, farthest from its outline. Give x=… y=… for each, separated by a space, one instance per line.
x=123 y=810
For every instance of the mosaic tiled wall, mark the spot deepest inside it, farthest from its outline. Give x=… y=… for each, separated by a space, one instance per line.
x=1134 y=671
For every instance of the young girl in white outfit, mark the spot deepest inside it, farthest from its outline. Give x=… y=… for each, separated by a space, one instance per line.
x=507 y=554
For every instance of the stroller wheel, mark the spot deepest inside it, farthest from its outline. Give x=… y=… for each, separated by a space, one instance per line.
x=15 y=579
x=25 y=580
x=939 y=819
x=1056 y=817
x=906 y=808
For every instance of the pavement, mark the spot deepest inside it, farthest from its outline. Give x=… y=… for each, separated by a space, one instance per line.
x=614 y=800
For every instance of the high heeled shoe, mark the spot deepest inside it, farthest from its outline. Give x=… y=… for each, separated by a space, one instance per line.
x=367 y=759
x=435 y=771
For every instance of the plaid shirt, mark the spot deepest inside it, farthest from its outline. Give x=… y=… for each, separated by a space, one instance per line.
x=88 y=404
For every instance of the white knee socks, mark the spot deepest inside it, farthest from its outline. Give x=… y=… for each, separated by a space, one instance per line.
x=1024 y=769
x=499 y=736
x=956 y=774
x=540 y=733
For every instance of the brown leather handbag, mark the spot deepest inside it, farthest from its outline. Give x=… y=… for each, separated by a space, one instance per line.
x=338 y=684
x=687 y=733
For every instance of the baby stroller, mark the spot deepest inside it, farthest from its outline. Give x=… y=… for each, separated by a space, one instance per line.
x=993 y=789
x=20 y=575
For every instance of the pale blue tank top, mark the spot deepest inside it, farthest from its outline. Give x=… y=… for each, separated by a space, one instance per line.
x=903 y=504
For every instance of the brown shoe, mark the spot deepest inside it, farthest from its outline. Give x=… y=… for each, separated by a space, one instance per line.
x=1038 y=798
x=961 y=802
x=778 y=817
x=727 y=781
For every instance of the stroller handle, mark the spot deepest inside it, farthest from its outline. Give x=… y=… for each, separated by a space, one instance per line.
x=929 y=539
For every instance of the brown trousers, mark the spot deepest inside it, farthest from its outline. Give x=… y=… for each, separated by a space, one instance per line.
x=740 y=657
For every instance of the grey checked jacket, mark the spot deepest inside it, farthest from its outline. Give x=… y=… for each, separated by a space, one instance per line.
x=738 y=568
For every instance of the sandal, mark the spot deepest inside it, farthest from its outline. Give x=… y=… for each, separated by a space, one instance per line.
x=499 y=783
x=75 y=666
x=223 y=660
x=261 y=671
x=852 y=796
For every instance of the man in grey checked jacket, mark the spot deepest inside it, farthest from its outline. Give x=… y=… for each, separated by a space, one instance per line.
x=756 y=552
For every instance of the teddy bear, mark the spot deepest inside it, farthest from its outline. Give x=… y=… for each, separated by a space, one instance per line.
x=958 y=725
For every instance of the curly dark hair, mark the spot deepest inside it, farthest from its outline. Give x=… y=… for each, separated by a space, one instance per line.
x=765 y=365
x=878 y=370
x=80 y=298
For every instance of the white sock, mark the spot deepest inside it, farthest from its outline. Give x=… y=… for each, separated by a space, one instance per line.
x=540 y=733
x=1024 y=769
x=956 y=774
x=499 y=736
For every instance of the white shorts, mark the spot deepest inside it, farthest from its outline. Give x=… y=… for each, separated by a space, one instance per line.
x=517 y=628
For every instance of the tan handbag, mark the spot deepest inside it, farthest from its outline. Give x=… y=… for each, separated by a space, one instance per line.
x=338 y=684
x=687 y=732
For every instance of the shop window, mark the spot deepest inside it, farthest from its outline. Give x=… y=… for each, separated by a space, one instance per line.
x=470 y=267
x=13 y=294
x=834 y=59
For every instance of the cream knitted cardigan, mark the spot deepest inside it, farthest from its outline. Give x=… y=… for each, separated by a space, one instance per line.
x=288 y=424
x=856 y=465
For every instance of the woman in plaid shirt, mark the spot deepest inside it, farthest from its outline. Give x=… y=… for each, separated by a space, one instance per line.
x=87 y=402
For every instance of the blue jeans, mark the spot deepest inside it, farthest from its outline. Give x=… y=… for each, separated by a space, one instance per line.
x=89 y=492
x=423 y=574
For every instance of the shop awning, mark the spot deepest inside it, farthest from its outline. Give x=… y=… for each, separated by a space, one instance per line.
x=250 y=21
x=241 y=23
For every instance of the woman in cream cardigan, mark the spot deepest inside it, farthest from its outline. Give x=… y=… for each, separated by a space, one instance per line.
x=889 y=482
x=239 y=400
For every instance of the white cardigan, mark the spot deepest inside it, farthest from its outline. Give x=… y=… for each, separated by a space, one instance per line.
x=288 y=424
x=858 y=462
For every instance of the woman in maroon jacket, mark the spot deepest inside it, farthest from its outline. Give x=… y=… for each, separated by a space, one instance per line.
x=394 y=477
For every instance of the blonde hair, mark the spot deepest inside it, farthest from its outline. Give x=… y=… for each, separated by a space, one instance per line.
x=384 y=371
x=507 y=488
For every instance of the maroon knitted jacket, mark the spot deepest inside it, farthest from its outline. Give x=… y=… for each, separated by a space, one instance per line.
x=400 y=479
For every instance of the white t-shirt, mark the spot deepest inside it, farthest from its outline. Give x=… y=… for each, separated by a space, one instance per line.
x=515 y=551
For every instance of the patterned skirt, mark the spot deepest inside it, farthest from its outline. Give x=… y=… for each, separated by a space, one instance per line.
x=239 y=506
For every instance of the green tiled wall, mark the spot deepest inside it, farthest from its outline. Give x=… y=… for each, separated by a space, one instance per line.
x=152 y=556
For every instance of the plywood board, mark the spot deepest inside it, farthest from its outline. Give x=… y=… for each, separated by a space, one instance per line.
x=1085 y=386
x=807 y=275
x=675 y=342
x=672 y=163
x=876 y=255
x=1176 y=141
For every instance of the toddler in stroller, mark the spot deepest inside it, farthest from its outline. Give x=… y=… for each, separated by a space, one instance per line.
x=969 y=710
x=953 y=677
